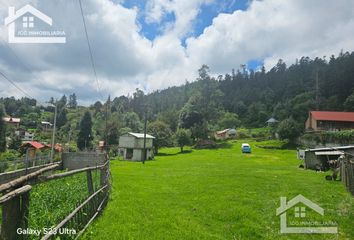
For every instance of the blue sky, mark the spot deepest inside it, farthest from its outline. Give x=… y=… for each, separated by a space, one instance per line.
x=207 y=13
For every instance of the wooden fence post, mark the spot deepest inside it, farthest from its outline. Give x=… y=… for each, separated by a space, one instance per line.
x=89 y=182
x=351 y=177
x=104 y=172
x=11 y=218
x=25 y=203
x=15 y=211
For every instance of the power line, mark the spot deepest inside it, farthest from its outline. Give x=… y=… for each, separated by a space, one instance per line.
x=15 y=85
x=90 y=50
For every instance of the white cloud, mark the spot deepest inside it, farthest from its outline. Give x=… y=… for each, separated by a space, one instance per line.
x=275 y=29
x=125 y=60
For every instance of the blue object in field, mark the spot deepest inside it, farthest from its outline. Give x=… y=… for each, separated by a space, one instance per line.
x=246 y=148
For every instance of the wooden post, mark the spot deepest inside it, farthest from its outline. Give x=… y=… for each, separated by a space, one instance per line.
x=15 y=210
x=104 y=172
x=11 y=219
x=89 y=182
x=25 y=202
x=103 y=175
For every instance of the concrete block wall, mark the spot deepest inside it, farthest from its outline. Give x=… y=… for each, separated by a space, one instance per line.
x=78 y=160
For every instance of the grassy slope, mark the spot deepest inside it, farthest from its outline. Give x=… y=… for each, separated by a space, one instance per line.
x=215 y=194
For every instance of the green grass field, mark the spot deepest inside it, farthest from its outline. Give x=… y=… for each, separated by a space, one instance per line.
x=216 y=194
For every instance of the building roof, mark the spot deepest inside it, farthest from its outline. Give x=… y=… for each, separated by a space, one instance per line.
x=333 y=116
x=140 y=135
x=325 y=153
x=12 y=120
x=35 y=144
x=230 y=130
x=330 y=148
x=272 y=120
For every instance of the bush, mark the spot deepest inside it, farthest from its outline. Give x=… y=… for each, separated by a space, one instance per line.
x=289 y=130
x=243 y=133
x=205 y=144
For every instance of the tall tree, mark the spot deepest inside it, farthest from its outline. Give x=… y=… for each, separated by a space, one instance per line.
x=349 y=103
x=85 y=134
x=183 y=138
x=72 y=101
x=162 y=133
x=2 y=130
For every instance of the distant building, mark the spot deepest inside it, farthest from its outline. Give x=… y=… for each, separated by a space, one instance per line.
x=317 y=158
x=46 y=126
x=12 y=121
x=329 y=121
x=131 y=146
x=24 y=135
x=225 y=134
x=32 y=148
x=272 y=121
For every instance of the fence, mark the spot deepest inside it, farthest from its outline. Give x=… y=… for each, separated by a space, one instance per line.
x=16 y=200
x=22 y=163
x=347 y=173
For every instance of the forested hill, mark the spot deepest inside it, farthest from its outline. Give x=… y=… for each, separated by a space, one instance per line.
x=284 y=91
x=240 y=98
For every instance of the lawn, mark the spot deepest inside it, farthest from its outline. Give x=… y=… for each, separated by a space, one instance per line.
x=216 y=194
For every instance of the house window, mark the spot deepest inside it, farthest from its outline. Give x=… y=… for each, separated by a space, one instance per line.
x=300 y=212
x=28 y=22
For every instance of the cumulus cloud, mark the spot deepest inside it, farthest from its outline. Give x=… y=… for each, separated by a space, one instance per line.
x=267 y=30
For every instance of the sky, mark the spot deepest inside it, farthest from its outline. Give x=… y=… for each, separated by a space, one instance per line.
x=155 y=44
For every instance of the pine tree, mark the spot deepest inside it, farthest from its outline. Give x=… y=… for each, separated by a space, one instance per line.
x=72 y=101
x=85 y=138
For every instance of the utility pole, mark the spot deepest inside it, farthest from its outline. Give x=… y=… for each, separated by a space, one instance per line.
x=145 y=123
x=54 y=129
x=317 y=92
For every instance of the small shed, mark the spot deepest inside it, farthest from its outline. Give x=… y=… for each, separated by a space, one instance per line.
x=317 y=158
x=131 y=146
x=225 y=134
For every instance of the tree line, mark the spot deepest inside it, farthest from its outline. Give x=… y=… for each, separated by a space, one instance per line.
x=242 y=98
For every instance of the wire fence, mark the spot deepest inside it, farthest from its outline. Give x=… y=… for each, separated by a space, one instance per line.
x=23 y=163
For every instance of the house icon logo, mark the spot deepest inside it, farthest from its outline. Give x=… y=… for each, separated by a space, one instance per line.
x=28 y=14
x=300 y=213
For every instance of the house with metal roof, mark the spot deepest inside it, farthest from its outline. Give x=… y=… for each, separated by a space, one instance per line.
x=329 y=121
x=225 y=134
x=12 y=121
x=318 y=158
x=131 y=146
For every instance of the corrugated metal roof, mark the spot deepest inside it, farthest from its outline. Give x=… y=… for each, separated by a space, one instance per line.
x=333 y=116
x=330 y=148
x=328 y=153
x=141 y=135
x=10 y=119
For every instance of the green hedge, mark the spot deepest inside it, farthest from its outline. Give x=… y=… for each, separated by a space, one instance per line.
x=342 y=137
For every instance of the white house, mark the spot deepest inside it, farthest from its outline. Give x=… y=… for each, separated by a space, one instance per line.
x=131 y=146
